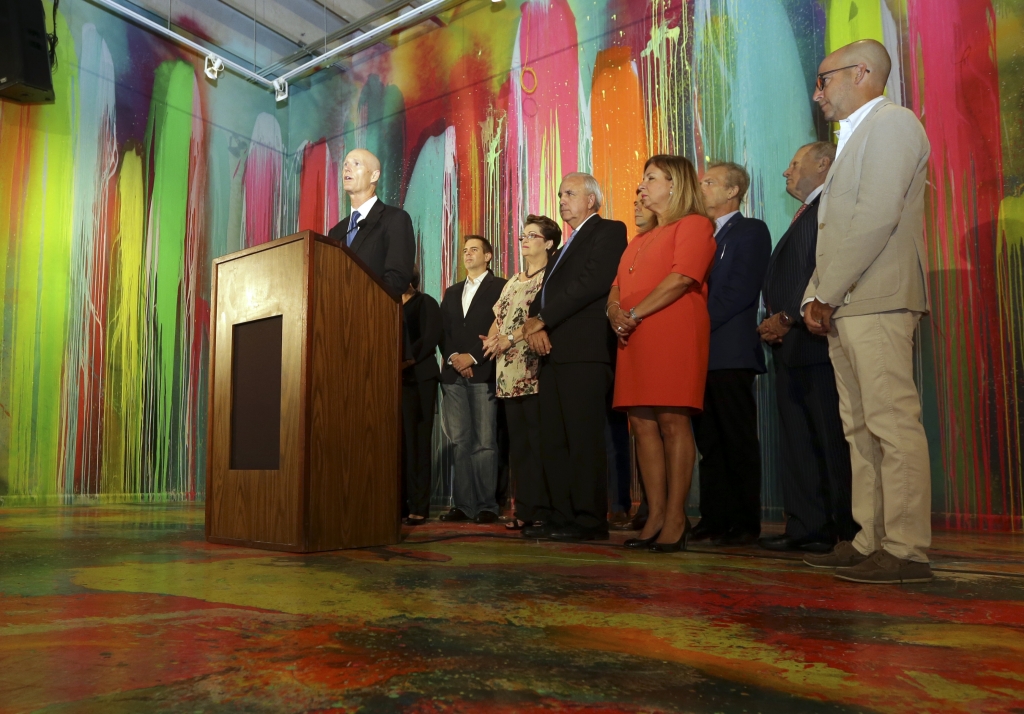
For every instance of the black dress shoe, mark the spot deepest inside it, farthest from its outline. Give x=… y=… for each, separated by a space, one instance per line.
x=807 y=544
x=704 y=530
x=486 y=517
x=453 y=515
x=679 y=545
x=735 y=537
x=410 y=521
x=641 y=543
x=573 y=533
x=536 y=530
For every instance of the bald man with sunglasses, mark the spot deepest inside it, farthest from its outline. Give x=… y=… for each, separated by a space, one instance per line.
x=867 y=294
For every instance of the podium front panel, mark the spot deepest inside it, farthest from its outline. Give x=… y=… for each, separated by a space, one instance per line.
x=260 y=301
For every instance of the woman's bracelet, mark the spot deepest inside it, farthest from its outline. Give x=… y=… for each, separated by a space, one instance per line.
x=608 y=308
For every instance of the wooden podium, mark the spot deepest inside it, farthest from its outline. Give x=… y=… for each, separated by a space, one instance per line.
x=305 y=400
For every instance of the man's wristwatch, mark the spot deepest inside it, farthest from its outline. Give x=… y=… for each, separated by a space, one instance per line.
x=785 y=319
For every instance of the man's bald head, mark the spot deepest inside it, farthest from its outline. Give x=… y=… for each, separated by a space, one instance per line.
x=873 y=55
x=851 y=77
x=359 y=175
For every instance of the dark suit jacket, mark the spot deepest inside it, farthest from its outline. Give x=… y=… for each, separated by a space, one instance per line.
x=789 y=271
x=423 y=321
x=734 y=294
x=575 y=293
x=385 y=242
x=462 y=333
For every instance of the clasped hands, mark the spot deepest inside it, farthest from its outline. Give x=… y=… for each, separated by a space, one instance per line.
x=772 y=330
x=818 y=317
x=495 y=345
x=463 y=364
x=621 y=323
x=536 y=336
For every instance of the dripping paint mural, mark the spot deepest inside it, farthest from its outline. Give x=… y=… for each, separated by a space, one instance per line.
x=114 y=200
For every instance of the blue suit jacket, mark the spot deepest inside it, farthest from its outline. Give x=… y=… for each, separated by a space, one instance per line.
x=734 y=294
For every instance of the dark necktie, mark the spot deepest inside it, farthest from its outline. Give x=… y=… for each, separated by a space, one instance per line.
x=803 y=207
x=353 y=228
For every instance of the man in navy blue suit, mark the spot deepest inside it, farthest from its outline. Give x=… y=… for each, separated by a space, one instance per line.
x=726 y=432
x=816 y=477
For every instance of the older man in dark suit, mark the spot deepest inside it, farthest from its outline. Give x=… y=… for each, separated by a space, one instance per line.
x=815 y=455
x=380 y=235
x=570 y=330
x=726 y=432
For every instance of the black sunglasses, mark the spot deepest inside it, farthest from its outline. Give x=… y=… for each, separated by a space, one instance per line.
x=820 y=84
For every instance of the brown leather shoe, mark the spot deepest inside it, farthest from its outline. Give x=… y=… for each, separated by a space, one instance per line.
x=884 y=568
x=843 y=555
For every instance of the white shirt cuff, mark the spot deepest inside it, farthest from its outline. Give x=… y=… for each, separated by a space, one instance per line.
x=803 y=305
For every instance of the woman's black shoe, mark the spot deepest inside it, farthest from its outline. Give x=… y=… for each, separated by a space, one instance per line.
x=673 y=547
x=640 y=543
x=410 y=521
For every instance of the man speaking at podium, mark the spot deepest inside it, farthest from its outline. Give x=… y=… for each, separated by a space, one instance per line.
x=380 y=235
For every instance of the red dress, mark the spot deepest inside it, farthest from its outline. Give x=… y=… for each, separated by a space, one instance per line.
x=665 y=362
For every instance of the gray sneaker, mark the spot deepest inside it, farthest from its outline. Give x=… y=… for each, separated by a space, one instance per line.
x=842 y=556
x=885 y=568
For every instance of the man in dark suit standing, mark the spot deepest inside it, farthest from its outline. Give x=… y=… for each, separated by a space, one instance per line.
x=815 y=455
x=569 y=329
x=420 y=375
x=726 y=432
x=470 y=412
x=380 y=235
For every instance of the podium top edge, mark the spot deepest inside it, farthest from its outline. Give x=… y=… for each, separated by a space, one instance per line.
x=276 y=243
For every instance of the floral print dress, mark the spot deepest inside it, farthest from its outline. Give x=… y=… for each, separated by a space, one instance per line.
x=517 y=368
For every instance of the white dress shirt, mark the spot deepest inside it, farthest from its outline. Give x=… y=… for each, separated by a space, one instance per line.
x=813 y=194
x=848 y=125
x=364 y=210
x=722 y=220
x=469 y=290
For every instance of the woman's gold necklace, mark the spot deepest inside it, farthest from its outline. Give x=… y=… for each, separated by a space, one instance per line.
x=636 y=257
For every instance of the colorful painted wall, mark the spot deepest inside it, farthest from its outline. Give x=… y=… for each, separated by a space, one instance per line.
x=114 y=201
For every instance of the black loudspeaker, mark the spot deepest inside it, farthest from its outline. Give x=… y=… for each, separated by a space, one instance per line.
x=24 y=55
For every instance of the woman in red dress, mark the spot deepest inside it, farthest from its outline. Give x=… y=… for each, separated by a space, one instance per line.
x=658 y=308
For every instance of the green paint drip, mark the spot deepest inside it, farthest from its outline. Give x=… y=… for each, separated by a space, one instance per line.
x=36 y=282
x=168 y=139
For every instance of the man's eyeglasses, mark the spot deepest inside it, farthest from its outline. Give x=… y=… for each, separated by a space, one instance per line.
x=528 y=236
x=820 y=84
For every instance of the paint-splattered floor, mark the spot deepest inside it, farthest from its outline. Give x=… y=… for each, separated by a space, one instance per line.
x=127 y=609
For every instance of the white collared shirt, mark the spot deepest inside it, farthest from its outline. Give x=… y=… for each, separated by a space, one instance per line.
x=849 y=125
x=722 y=220
x=813 y=194
x=364 y=210
x=469 y=290
x=577 y=230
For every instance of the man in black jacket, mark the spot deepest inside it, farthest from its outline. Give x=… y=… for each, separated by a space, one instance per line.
x=470 y=410
x=570 y=330
x=726 y=431
x=420 y=375
x=816 y=479
x=380 y=235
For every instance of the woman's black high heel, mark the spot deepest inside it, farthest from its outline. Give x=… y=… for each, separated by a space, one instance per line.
x=640 y=543
x=672 y=547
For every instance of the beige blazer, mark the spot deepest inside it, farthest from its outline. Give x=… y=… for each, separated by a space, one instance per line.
x=871 y=256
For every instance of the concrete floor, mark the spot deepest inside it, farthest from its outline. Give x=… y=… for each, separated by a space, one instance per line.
x=127 y=609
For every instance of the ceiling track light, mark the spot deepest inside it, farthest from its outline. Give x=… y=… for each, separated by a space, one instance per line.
x=214 y=66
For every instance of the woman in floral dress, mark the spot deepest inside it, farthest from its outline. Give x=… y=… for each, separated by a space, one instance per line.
x=517 y=366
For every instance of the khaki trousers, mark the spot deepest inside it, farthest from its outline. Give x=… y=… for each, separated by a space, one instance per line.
x=881 y=412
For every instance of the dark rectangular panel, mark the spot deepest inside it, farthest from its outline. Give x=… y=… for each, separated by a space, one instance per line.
x=256 y=394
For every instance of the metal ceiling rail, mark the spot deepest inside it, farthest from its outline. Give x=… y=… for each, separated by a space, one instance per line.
x=280 y=85
x=406 y=18
x=171 y=34
x=315 y=49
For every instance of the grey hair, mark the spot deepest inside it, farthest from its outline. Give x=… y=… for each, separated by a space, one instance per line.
x=591 y=185
x=821 y=150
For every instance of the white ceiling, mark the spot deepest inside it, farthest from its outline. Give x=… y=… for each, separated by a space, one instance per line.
x=272 y=36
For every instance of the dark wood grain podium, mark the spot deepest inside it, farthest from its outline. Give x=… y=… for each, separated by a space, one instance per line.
x=305 y=400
